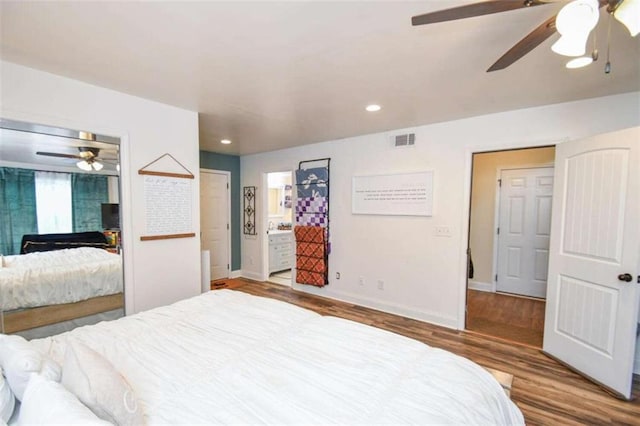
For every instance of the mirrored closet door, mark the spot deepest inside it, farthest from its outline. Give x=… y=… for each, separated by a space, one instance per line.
x=60 y=238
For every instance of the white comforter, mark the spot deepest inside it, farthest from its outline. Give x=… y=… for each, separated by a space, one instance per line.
x=60 y=276
x=226 y=357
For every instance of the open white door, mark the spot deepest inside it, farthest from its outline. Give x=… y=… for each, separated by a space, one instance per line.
x=214 y=221
x=592 y=298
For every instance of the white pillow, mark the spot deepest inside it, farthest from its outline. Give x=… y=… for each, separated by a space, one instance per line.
x=47 y=402
x=96 y=382
x=18 y=359
x=7 y=400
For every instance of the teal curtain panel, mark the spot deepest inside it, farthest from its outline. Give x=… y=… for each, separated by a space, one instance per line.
x=17 y=208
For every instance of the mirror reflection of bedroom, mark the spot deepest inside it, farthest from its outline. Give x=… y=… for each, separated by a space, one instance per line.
x=60 y=238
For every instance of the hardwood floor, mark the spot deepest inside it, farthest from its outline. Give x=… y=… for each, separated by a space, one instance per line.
x=546 y=392
x=513 y=318
x=229 y=283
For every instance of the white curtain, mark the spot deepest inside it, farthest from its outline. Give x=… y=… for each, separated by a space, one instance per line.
x=53 y=202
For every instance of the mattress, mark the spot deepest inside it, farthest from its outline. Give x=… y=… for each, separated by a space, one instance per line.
x=226 y=357
x=61 y=276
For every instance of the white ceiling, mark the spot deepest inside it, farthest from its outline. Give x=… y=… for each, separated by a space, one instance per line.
x=270 y=75
x=20 y=148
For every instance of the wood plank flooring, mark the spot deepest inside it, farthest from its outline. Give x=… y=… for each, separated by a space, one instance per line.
x=546 y=392
x=514 y=318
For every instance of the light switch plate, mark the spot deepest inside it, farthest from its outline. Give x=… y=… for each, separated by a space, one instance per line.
x=442 y=231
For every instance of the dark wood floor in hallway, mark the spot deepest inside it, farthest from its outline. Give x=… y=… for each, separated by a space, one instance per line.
x=546 y=392
x=518 y=319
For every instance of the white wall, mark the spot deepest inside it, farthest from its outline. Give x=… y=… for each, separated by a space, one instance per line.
x=156 y=272
x=424 y=275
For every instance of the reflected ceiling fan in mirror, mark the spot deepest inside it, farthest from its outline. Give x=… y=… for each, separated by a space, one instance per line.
x=88 y=157
x=574 y=22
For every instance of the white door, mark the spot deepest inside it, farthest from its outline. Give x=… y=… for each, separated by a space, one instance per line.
x=214 y=221
x=525 y=225
x=592 y=307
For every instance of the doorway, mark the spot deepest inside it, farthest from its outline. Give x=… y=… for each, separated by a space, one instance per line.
x=507 y=276
x=279 y=227
x=214 y=221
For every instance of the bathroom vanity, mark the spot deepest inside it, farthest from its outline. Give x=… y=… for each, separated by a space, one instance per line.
x=280 y=250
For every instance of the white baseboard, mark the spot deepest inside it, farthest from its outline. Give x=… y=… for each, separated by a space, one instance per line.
x=480 y=286
x=251 y=275
x=392 y=308
x=235 y=274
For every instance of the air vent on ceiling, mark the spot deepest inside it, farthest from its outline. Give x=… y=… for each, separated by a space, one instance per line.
x=408 y=139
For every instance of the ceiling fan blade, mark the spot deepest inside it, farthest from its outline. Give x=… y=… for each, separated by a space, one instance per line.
x=57 y=154
x=474 y=9
x=526 y=45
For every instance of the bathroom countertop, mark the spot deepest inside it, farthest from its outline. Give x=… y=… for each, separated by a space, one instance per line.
x=279 y=231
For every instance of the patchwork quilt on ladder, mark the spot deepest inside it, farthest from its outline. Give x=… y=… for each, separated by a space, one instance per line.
x=311 y=265
x=312 y=226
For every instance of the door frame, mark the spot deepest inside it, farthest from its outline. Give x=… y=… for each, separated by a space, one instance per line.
x=264 y=197
x=228 y=174
x=465 y=221
x=496 y=219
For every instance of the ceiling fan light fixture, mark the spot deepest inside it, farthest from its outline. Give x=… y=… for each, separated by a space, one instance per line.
x=84 y=165
x=628 y=13
x=573 y=45
x=89 y=165
x=574 y=23
x=580 y=62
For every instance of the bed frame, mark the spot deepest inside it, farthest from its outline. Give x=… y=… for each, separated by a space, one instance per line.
x=29 y=318
x=47 y=242
x=26 y=319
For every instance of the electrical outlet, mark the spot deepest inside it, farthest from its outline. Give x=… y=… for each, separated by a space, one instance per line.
x=337 y=275
x=361 y=280
x=380 y=285
x=442 y=231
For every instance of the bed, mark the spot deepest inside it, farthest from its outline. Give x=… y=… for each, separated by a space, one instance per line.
x=227 y=357
x=60 y=277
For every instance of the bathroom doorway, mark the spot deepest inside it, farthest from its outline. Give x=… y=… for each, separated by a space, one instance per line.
x=279 y=227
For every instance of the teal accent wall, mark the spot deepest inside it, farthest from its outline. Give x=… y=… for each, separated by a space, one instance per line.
x=229 y=163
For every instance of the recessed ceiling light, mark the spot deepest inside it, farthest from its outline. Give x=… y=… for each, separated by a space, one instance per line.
x=373 y=108
x=225 y=141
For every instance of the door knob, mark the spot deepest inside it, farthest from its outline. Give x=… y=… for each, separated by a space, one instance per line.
x=625 y=277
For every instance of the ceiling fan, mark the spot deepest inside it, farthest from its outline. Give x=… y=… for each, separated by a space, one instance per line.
x=88 y=157
x=625 y=11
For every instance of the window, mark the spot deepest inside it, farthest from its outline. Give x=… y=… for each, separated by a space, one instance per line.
x=53 y=206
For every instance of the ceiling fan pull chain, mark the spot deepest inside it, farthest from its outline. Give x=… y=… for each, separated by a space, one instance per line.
x=594 y=52
x=607 y=66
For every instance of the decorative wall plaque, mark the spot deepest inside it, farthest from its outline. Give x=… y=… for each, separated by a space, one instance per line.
x=249 y=209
